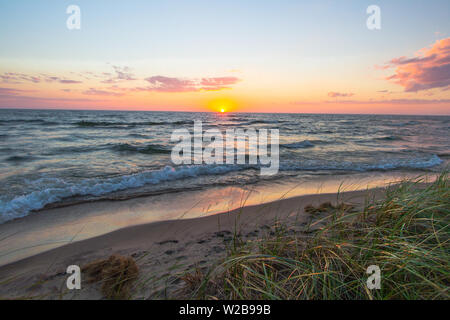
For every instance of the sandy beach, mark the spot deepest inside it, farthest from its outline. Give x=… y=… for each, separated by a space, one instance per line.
x=162 y=250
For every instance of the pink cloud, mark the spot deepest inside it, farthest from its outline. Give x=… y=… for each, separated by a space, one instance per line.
x=429 y=69
x=393 y=101
x=13 y=77
x=10 y=92
x=97 y=92
x=15 y=98
x=384 y=67
x=219 y=81
x=66 y=81
x=377 y=102
x=168 y=84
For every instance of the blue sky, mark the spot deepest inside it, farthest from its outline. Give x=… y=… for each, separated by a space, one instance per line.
x=183 y=29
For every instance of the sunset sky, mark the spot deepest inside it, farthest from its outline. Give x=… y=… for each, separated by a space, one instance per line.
x=246 y=56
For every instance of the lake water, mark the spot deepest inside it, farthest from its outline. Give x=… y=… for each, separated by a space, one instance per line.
x=51 y=158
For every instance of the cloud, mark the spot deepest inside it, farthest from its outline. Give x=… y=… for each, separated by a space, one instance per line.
x=68 y=81
x=120 y=74
x=219 y=81
x=339 y=94
x=13 y=98
x=428 y=70
x=376 y=102
x=393 y=101
x=98 y=92
x=13 y=77
x=123 y=73
x=11 y=91
x=384 y=67
x=168 y=84
x=60 y=80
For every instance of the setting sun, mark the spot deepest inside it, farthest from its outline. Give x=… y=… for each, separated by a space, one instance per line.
x=222 y=105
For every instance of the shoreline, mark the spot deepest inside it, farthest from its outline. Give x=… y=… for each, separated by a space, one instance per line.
x=54 y=227
x=157 y=247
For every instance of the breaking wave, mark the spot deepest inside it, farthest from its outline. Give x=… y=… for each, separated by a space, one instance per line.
x=22 y=205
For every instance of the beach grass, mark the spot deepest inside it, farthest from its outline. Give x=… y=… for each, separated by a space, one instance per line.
x=406 y=234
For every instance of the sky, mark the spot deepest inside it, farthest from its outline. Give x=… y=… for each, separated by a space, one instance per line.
x=244 y=56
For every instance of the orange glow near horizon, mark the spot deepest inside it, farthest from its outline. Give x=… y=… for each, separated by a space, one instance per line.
x=222 y=105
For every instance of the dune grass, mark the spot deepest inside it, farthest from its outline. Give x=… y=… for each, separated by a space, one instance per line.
x=116 y=274
x=406 y=234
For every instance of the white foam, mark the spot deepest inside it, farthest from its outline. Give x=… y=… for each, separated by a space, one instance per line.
x=20 y=206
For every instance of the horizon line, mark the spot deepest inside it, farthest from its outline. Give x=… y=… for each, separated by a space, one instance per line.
x=231 y=112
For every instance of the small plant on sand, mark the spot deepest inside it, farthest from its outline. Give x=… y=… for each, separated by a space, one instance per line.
x=328 y=207
x=116 y=274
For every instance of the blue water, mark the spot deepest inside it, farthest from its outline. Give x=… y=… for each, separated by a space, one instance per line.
x=50 y=157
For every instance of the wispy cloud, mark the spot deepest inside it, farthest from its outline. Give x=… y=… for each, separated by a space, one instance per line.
x=339 y=94
x=168 y=84
x=376 y=102
x=15 y=98
x=99 y=92
x=15 y=78
x=11 y=91
x=393 y=101
x=118 y=76
x=121 y=73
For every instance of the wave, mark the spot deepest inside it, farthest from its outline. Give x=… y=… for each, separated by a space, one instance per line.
x=71 y=150
x=22 y=205
x=29 y=121
x=20 y=158
x=121 y=148
x=389 y=138
x=298 y=145
x=391 y=164
x=87 y=124
x=263 y=122
x=308 y=144
x=148 y=149
x=444 y=154
x=404 y=124
x=320 y=132
x=139 y=135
